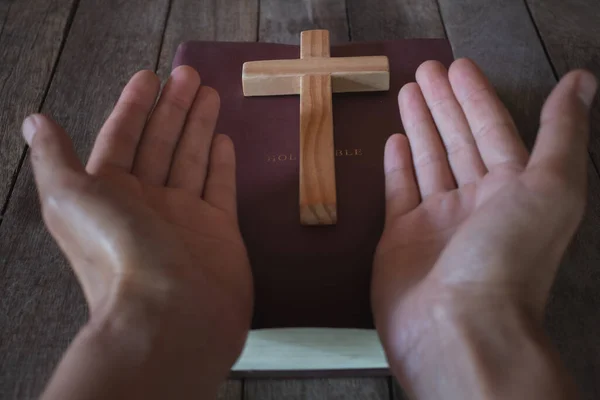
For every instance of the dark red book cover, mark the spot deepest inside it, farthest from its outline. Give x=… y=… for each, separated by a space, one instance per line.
x=309 y=276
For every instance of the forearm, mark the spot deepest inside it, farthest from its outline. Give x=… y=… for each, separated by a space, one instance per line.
x=137 y=350
x=500 y=354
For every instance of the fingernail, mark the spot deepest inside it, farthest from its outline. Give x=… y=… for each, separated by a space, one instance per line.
x=586 y=88
x=29 y=128
x=221 y=138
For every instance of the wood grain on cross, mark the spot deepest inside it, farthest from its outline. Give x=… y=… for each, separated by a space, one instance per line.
x=314 y=77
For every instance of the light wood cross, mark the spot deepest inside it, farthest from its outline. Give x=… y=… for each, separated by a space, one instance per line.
x=314 y=77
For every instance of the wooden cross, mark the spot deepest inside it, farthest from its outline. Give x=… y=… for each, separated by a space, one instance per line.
x=314 y=77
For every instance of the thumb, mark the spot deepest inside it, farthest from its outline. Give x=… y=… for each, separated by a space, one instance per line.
x=561 y=145
x=52 y=153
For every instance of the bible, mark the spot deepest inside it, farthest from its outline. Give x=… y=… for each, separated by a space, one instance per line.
x=312 y=312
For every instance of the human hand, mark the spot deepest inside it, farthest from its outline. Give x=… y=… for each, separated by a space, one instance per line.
x=475 y=226
x=150 y=224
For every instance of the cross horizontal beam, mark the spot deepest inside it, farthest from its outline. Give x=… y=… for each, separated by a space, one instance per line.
x=348 y=74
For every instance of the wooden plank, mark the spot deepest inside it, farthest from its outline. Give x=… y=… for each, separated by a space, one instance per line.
x=223 y=20
x=230 y=390
x=317 y=389
x=571 y=35
x=393 y=19
x=31 y=34
x=42 y=307
x=283 y=21
x=501 y=37
x=4 y=8
x=397 y=392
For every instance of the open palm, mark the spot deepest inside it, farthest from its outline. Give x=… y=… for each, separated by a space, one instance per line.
x=472 y=220
x=153 y=214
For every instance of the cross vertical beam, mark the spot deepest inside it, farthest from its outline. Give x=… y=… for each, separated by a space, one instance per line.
x=318 y=203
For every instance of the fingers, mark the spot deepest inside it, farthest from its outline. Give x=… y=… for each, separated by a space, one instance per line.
x=492 y=126
x=164 y=128
x=429 y=156
x=463 y=156
x=118 y=139
x=401 y=190
x=52 y=153
x=220 y=190
x=190 y=162
x=561 y=145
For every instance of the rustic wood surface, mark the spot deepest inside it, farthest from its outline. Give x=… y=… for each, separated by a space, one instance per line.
x=331 y=389
x=31 y=34
x=393 y=19
x=283 y=21
x=223 y=20
x=524 y=46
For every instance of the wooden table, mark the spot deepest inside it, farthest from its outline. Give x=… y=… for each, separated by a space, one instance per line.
x=70 y=59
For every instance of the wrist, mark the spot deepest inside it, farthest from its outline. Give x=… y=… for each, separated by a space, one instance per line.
x=139 y=343
x=174 y=313
x=478 y=351
x=196 y=342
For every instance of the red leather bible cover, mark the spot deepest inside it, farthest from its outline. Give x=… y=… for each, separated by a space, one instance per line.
x=309 y=276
